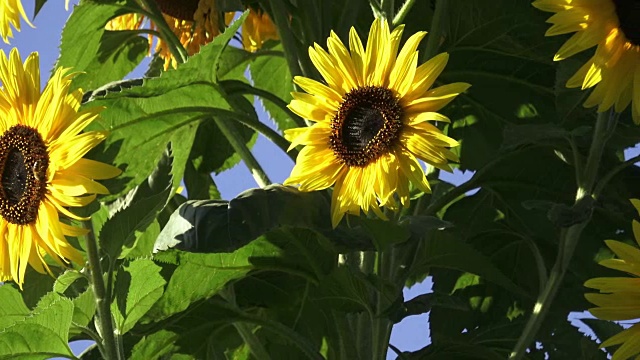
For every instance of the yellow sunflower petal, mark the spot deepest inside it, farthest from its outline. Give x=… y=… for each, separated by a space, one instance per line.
x=629 y=338
x=93 y=169
x=402 y=75
x=312 y=135
x=318 y=89
x=412 y=169
x=437 y=98
x=614 y=284
x=426 y=75
x=68 y=152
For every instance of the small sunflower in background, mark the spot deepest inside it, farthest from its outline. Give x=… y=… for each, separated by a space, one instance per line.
x=42 y=171
x=372 y=121
x=10 y=13
x=613 y=27
x=257 y=29
x=195 y=23
x=619 y=297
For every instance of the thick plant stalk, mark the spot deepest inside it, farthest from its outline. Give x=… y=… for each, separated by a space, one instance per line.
x=241 y=148
x=569 y=239
x=104 y=320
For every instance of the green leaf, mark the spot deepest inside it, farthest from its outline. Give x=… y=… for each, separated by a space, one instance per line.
x=424 y=303
x=346 y=290
x=451 y=253
x=155 y=345
x=42 y=335
x=200 y=276
x=234 y=223
x=137 y=211
x=143 y=119
x=64 y=281
x=603 y=329
x=138 y=286
x=385 y=233
x=84 y=308
x=102 y=56
x=36 y=285
x=38 y=7
x=13 y=309
x=271 y=73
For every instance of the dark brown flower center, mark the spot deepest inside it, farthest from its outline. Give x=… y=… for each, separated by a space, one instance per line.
x=23 y=167
x=628 y=12
x=179 y=9
x=366 y=126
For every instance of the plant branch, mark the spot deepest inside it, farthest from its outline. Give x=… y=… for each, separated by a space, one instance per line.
x=388 y=8
x=155 y=15
x=402 y=13
x=231 y=133
x=570 y=237
x=281 y=21
x=235 y=86
x=436 y=31
x=610 y=175
x=104 y=319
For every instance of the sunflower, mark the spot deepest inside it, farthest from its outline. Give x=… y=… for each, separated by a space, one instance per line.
x=10 y=13
x=613 y=27
x=371 y=121
x=41 y=166
x=194 y=22
x=257 y=29
x=619 y=297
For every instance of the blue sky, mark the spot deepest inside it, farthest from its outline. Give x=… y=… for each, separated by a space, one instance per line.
x=411 y=334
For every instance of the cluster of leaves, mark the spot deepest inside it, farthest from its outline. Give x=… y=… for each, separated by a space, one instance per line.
x=264 y=275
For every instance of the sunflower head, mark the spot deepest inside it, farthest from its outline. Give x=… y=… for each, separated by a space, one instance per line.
x=257 y=29
x=613 y=27
x=42 y=172
x=10 y=13
x=372 y=120
x=619 y=298
x=194 y=22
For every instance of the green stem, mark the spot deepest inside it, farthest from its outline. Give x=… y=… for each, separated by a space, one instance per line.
x=175 y=46
x=231 y=134
x=388 y=8
x=276 y=327
x=577 y=163
x=255 y=346
x=104 y=318
x=281 y=20
x=92 y=334
x=436 y=31
x=605 y=179
x=402 y=13
x=235 y=86
x=365 y=328
x=263 y=129
x=603 y=129
x=382 y=325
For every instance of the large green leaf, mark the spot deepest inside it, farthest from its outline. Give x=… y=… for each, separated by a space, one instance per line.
x=42 y=335
x=208 y=226
x=143 y=119
x=14 y=308
x=138 y=286
x=271 y=73
x=102 y=56
x=137 y=210
x=200 y=276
